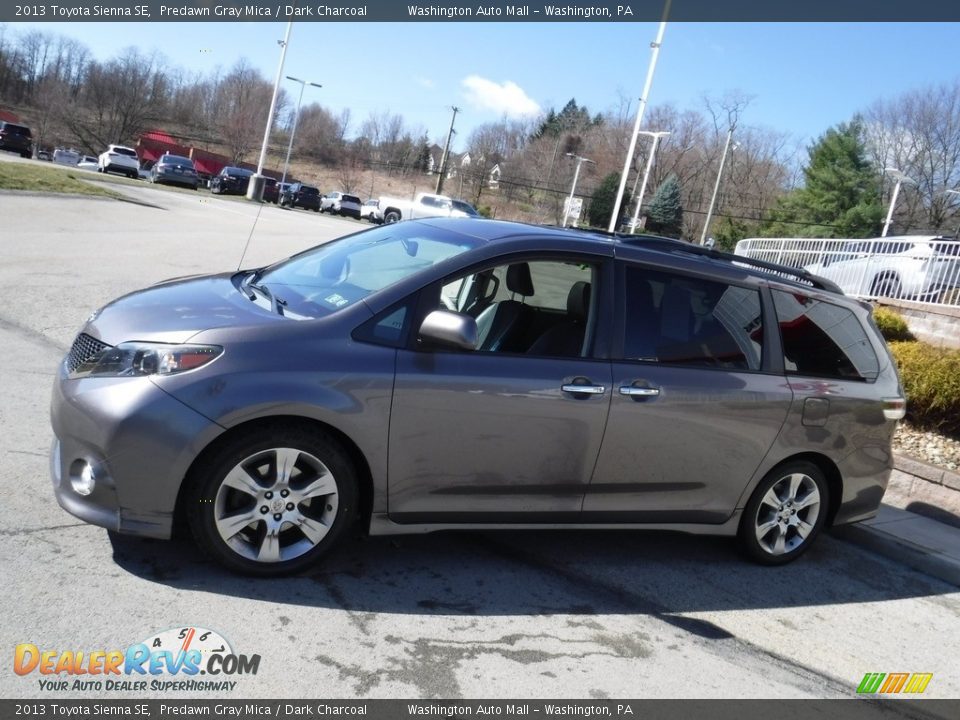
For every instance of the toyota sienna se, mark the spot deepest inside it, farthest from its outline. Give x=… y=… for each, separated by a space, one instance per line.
x=458 y=374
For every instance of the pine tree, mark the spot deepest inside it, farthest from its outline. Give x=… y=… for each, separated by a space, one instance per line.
x=841 y=192
x=665 y=211
x=601 y=202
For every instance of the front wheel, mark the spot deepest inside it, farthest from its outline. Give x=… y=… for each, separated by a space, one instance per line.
x=271 y=503
x=391 y=217
x=784 y=514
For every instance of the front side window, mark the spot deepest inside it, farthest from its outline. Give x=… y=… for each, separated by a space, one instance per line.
x=533 y=307
x=679 y=320
x=822 y=339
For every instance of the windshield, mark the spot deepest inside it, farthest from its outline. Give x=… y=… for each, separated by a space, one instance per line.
x=333 y=276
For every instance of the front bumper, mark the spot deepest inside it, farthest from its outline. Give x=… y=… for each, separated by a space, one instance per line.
x=140 y=443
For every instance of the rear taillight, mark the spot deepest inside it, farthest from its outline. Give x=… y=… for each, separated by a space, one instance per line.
x=894 y=408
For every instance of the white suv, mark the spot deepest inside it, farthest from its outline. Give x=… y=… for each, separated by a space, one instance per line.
x=121 y=159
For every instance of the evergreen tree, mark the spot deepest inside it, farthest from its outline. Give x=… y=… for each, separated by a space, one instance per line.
x=841 y=192
x=602 y=200
x=423 y=157
x=665 y=211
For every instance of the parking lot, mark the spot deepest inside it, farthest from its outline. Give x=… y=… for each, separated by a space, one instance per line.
x=471 y=615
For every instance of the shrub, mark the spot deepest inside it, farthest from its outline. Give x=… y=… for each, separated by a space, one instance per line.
x=891 y=325
x=931 y=380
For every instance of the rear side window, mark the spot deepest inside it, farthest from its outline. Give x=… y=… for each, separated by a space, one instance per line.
x=16 y=129
x=125 y=151
x=679 y=320
x=821 y=339
x=351 y=198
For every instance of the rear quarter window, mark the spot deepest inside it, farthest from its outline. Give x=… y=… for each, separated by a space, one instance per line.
x=822 y=339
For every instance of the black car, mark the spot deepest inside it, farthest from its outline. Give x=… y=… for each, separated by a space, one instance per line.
x=16 y=138
x=300 y=195
x=175 y=170
x=231 y=181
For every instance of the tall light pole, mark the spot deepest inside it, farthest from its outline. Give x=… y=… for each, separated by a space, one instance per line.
x=646 y=174
x=901 y=179
x=655 y=47
x=255 y=187
x=446 y=149
x=296 y=118
x=716 y=186
x=573 y=186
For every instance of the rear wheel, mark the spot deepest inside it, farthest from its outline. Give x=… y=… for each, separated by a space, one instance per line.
x=271 y=503
x=391 y=217
x=888 y=287
x=785 y=513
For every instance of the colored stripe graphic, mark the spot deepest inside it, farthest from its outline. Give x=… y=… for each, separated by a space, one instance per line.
x=918 y=683
x=871 y=682
x=893 y=683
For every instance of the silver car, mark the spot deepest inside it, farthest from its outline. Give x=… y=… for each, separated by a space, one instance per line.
x=445 y=374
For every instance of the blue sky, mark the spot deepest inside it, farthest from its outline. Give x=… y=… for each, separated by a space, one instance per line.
x=804 y=77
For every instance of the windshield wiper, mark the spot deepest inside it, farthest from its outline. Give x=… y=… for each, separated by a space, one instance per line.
x=276 y=304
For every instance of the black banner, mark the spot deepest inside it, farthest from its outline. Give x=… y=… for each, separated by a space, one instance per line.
x=861 y=709
x=481 y=11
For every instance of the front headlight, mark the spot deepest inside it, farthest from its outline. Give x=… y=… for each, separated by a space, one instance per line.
x=136 y=359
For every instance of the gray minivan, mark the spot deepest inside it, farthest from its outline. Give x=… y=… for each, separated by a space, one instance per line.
x=455 y=374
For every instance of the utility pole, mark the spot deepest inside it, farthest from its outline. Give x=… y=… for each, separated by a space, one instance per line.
x=716 y=186
x=646 y=175
x=446 y=149
x=296 y=118
x=901 y=179
x=573 y=185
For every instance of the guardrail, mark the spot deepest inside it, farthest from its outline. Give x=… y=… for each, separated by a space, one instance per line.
x=920 y=268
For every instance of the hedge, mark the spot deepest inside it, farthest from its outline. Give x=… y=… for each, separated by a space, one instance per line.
x=931 y=381
x=891 y=325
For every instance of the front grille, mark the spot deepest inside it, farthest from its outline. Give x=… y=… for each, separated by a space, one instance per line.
x=83 y=348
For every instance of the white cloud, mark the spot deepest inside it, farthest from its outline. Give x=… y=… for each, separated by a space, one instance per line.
x=424 y=82
x=505 y=98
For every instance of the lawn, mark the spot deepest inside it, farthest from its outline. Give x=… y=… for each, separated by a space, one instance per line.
x=43 y=177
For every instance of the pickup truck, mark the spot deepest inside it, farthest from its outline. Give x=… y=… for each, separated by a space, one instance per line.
x=424 y=205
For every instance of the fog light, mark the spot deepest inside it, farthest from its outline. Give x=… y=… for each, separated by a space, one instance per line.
x=84 y=482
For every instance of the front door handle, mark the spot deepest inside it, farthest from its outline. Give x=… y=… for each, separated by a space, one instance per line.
x=633 y=391
x=584 y=389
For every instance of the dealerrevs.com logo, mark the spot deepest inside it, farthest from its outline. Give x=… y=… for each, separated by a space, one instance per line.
x=169 y=661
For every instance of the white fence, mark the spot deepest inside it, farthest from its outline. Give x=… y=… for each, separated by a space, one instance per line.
x=921 y=268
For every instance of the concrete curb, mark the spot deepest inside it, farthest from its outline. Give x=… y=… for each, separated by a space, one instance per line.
x=930 y=473
x=915 y=541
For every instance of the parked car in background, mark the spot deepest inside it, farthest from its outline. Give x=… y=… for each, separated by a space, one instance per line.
x=44 y=155
x=16 y=138
x=910 y=267
x=120 y=159
x=300 y=195
x=87 y=162
x=370 y=210
x=476 y=374
x=270 y=192
x=66 y=156
x=231 y=181
x=174 y=170
x=424 y=205
x=340 y=203
x=461 y=208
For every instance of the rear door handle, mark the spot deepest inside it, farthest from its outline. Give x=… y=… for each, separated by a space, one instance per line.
x=633 y=391
x=584 y=389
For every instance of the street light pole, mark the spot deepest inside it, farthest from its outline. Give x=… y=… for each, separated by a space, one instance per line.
x=956 y=235
x=296 y=118
x=255 y=187
x=446 y=149
x=900 y=178
x=573 y=186
x=716 y=186
x=646 y=174
x=655 y=47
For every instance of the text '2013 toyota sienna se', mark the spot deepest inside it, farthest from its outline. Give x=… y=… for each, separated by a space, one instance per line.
x=446 y=374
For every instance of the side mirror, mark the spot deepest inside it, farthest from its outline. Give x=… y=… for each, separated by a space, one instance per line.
x=451 y=329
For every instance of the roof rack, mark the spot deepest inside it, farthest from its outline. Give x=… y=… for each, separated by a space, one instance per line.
x=671 y=245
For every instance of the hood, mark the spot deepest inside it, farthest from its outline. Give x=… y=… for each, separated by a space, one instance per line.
x=176 y=310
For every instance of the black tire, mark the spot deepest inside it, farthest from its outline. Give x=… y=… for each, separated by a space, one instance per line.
x=391 y=216
x=258 y=452
x=887 y=287
x=785 y=519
